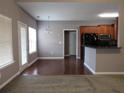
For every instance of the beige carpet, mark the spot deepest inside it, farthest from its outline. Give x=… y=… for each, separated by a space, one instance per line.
x=66 y=84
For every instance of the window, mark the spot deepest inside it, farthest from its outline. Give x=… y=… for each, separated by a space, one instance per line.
x=32 y=40
x=23 y=53
x=6 y=54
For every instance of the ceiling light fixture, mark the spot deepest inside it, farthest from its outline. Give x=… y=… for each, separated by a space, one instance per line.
x=109 y=15
x=48 y=24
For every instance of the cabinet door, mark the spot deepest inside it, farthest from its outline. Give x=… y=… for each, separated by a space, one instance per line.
x=106 y=29
x=88 y=29
x=103 y=29
x=111 y=30
x=100 y=29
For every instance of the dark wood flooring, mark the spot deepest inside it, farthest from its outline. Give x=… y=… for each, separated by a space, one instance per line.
x=68 y=66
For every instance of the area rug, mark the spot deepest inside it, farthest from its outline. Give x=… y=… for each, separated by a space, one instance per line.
x=66 y=84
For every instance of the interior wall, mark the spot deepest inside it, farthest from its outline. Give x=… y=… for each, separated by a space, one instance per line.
x=10 y=9
x=72 y=43
x=109 y=60
x=50 y=44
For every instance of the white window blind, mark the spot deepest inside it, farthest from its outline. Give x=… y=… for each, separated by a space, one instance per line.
x=6 y=54
x=32 y=40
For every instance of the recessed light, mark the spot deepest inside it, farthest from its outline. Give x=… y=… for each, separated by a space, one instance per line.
x=109 y=15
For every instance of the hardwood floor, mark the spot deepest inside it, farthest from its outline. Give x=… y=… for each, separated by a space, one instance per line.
x=68 y=66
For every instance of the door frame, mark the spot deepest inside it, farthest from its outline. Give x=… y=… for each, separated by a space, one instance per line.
x=22 y=67
x=69 y=30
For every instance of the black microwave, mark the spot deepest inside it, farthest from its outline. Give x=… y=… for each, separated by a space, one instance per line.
x=103 y=37
x=90 y=38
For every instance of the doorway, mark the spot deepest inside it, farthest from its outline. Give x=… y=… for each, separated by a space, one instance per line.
x=70 y=43
x=23 y=54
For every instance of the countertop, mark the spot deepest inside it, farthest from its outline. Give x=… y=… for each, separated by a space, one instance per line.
x=102 y=47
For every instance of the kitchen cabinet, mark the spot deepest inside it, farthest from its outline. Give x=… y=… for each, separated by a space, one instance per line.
x=108 y=29
x=100 y=29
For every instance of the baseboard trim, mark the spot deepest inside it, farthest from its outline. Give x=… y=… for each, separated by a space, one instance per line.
x=9 y=80
x=31 y=63
x=103 y=73
x=50 y=57
x=55 y=57
x=93 y=72
x=28 y=65
x=18 y=73
x=109 y=73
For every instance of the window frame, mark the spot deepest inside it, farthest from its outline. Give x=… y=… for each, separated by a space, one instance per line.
x=12 y=60
x=29 y=40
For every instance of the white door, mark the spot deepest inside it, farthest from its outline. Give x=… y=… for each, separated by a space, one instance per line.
x=23 y=54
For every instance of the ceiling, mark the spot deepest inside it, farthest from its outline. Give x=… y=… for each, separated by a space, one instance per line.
x=67 y=11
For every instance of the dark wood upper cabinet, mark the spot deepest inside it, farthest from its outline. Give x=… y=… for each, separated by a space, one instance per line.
x=101 y=29
x=107 y=29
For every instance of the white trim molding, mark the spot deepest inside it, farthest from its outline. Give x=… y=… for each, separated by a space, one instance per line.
x=22 y=25
x=28 y=65
x=9 y=80
x=50 y=58
x=109 y=73
x=18 y=73
x=93 y=72
x=31 y=63
x=76 y=30
x=103 y=73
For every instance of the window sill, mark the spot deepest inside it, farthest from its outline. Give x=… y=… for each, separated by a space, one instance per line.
x=32 y=53
x=6 y=65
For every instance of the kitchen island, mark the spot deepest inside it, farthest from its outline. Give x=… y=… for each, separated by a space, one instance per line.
x=101 y=60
